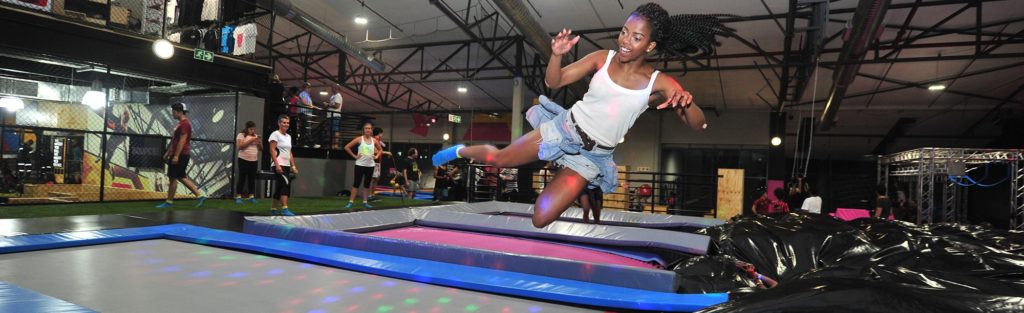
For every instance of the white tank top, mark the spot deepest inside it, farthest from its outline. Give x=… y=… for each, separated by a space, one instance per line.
x=366 y=150
x=608 y=110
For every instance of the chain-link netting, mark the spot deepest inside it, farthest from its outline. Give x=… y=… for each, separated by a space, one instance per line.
x=225 y=27
x=80 y=133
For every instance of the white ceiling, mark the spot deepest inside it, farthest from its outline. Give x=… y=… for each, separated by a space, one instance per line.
x=942 y=113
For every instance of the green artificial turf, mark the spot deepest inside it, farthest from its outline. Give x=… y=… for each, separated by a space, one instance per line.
x=296 y=205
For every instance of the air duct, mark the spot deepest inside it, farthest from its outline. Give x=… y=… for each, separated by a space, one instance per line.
x=285 y=9
x=534 y=34
x=863 y=30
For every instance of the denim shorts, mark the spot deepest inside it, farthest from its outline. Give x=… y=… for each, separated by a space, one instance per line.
x=561 y=145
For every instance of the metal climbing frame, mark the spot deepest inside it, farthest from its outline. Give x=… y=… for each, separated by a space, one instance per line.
x=929 y=168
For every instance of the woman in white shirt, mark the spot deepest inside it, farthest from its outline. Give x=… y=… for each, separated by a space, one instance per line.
x=582 y=139
x=284 y=165
x=813 y=202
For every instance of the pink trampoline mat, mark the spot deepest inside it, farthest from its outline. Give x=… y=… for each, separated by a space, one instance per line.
x=507 y=245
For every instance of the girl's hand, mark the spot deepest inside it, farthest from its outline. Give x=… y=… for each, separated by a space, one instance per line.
x=561 y=44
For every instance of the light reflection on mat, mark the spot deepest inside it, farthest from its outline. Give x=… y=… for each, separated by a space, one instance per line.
x=171 y=276
x=507 y=244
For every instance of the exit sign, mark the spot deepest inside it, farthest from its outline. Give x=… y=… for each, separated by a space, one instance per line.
x=203 y=55
x=454 y=118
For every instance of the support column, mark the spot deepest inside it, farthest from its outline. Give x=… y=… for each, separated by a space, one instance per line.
x=518 y=98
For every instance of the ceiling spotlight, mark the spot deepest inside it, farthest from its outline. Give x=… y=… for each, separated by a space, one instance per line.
x=446 y=136
x=323 y=93
x=163 y=49
x=94 y=99
x=937 y=87
x=361 y=20
x=14 y=104
x=776 y=141
x=462 y=90
x=433 y=119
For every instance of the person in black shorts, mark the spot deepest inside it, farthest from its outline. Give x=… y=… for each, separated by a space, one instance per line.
x=177 y=157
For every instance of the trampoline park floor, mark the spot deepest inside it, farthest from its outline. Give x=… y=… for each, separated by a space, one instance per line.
x=163 y=275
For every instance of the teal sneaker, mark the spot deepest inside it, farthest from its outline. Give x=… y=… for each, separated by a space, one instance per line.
x=200 y=200
x=349 y=205
x=164 y=205
x=367 y=205
x=286 y=212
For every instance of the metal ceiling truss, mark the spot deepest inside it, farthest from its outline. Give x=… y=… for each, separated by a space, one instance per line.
x=510 y=55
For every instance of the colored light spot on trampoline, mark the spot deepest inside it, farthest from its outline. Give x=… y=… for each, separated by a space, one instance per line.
x=228 y=283
x=300 y=277
x=506 y=310
x=238 y=274
x=170 y=269
x=200 y=274
x=357 y=289
x=411 y=301
x=296 y=301
x=261 y=257
x=274 y=272
x=385 y=308
x=265 y=282
x=444 y=300
x=435 y=310
x=227 y=257
x=204 y=252
x=388 y=283
x=377 y=296
x=342 y=282
x=330 y=299
x=472 y=308
x=535 y=309
x=258 y=265
x=413 y=290
x=352 y=308
x=153 y=261
x=317 y=311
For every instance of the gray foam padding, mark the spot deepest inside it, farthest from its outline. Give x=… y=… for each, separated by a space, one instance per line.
x=607 y=274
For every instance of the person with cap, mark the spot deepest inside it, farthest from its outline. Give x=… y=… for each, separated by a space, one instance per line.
x=177 y=157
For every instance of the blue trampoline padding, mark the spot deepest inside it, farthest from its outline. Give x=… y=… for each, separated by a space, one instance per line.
x=438 y=273
x=82 y=238
x=17 y=299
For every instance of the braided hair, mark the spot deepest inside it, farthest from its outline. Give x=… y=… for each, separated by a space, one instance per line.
x=683 y=34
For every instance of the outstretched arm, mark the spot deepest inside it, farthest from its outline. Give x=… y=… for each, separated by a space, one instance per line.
x=557 y=76
x=681 y=101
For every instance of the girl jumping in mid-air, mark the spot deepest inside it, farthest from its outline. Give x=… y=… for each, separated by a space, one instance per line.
x=581 y=140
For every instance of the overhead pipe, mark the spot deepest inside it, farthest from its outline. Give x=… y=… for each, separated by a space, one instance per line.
x=864 y=29
x=285 y=8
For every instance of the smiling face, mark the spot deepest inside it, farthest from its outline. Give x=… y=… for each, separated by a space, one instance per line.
x=283 y=123
x=635 y=40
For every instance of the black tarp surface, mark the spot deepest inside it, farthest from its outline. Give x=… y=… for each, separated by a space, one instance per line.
x=827 y=265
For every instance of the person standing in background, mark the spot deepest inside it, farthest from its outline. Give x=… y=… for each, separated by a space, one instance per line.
x=411 y=172
x=883 y=205
x=368 y=150
x=334 y=106
x=283 y=165
x=177 y=156
x=812 y=204
x=249 y=147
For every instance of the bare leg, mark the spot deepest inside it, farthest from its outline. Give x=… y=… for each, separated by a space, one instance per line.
x=172 y=187
x=352 y=196
x=557 y=196
x=522 y=151
x=190 y=185
x=273 y=205
x=596 y=205
x=366 y=195
x=585 y=203
x=373 y=186
x=284 y=201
